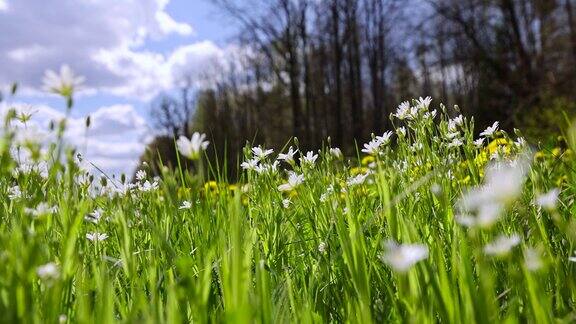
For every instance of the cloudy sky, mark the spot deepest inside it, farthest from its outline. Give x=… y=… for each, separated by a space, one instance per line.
x=128 y=50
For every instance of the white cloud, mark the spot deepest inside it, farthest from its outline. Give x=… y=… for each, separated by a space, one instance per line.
x=104 y=40
x=114 y=141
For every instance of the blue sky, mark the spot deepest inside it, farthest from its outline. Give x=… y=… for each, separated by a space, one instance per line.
x=128 y=50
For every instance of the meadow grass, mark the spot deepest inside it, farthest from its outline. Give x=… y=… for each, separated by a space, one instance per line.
x=430 y=226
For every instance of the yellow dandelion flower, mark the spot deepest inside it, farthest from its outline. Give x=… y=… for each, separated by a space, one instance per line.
x=539 y=156
x=465 y=181
x=562 y=180
x=499 y=143
x=358 y=170
x=367 y=160
x=211 y=186
x=568 y=155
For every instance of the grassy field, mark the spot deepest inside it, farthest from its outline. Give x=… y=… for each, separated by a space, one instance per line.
x=425 y=224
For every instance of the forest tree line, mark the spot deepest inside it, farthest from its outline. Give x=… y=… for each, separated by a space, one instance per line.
x=315 y=69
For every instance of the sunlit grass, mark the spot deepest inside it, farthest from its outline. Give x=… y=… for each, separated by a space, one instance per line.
x=432 y=225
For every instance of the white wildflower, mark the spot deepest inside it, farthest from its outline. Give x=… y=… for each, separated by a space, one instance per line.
x=288 y=156
x=309 y=158
x=520 y=142
x=385 y=138
x=401 y=257
x=14 y=193
x=286 y=202
x=322 y=247
x=490 y=130
x=149 y=186
x=403 y=110
x=250 y=164
x=185 y=205
x=455 y=143
x=436 y=189
x=372 y=147
x=266 y=168
x=294 y=180
x=96 y=237
x=94 y=217
x=423 y=103
x=357 y=180
x=548 y=200
x=401 y=131
x=140 y=175
x=336 y=152
x=418 y=146
x=41 y=210
x=532 y=259
x=502 y=245
x=503 y=184
x=479 y=142
x=65 y=83
x=325 y=195
x=47 y=271
x=260 y=153
x=453 y=135
x=191 y=148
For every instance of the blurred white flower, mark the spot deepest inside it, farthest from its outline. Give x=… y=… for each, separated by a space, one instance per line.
x=185 y=205
x=372 y=147
x=436 y=189
x=31 y=135
x=250 y=164
x=325 y=195
x=266 y=168
x=294 y=180
x=418 y=146
x=358 y=179
x=64 y=84
x=401 y=257
x=286 y=202
x=288 y=156
x=401 y=131
x=322 y=247
x=520 y=142
x=261 y=154
x=385 y=138
x=14 y=193
x=572 y=258
x=548 y=200
x=309 y=158
x=403 y=110
x=490 y=130
x=96 y=237
x=455 y=143
x=532 y=259
x=148 y=186
x=94 y=217
x=336 y=152
x=47 y=271
x=453 y=135
x=454 y=123
x=191 y=148
x=503 y=184
x=41 y=210
x=479 y=142
x=502 y=245
x=140 y=175
x=423 y=103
